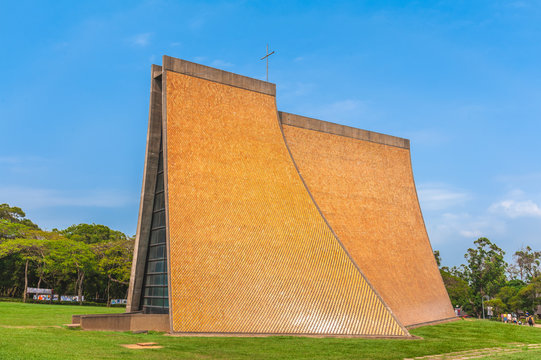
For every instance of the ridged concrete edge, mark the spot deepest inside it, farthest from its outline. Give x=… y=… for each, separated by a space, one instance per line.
x=147 y=192
x=430 y=246
x=342 y=130
x=219 y=76
x=166 y=188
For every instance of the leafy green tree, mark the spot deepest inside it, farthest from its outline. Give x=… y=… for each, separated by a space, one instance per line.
x=82 y=259
x=15 y=214
x=28 y=243
x=515 y=283
x=530 y=295
x=32 y=251
x=114 y=261
x=10 y=230
x=507 y=293
x=527 y=264
x=485 y=270
x=508 y=296
x=92 y=233
x=457 y=288
x=516 y=303
x=498 y=305
x=437 y=257
x=71 y=259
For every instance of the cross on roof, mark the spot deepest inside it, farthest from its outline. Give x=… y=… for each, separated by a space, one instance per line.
x=267 y=57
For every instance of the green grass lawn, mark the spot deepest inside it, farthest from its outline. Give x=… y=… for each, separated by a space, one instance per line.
x=48 y=341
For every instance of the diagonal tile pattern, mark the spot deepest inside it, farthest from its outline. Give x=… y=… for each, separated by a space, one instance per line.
x=366 y=192
x=249 y=250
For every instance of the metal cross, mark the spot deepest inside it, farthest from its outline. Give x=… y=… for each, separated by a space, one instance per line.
x=267 y=57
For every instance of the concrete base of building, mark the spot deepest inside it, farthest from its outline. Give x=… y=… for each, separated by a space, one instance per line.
x=135 y=321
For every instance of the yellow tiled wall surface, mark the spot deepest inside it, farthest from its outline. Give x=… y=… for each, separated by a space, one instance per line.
x=367 y=194
x=249 y=251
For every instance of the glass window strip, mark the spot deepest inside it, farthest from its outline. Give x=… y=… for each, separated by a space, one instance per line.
x=156 y=282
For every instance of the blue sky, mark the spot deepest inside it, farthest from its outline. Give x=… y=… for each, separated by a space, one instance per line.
x=461 y=79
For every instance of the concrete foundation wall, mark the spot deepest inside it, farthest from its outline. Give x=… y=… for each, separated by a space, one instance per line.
x=123 y=322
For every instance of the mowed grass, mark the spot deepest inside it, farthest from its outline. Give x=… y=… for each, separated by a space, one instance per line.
x=47 y=339
x=19 y=314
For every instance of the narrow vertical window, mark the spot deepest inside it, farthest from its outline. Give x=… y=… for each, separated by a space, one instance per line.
x=155 y=289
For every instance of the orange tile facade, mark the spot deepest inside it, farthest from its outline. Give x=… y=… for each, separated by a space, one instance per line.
x=249 y=250
x=367 y=194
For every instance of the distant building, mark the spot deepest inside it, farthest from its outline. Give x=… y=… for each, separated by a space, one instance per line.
x=255 y=221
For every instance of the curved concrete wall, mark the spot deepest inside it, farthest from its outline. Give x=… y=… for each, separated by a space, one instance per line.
x=249 y=251
x=365 y=190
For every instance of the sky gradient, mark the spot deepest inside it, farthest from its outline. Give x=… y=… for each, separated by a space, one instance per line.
x=461 y=80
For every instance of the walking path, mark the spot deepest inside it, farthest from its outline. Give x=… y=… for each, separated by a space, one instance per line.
x=478 y=353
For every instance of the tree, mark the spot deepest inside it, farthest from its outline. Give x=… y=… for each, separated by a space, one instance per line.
x=31 y=251
x=507 y=295
x=15 y=215
x=457 y=288
x=527 y=263
x=10 y=230
x=87 y=259
x=68 y=258
x=498 y=305
x=485 y=270
x=530 y=295
x=438 y=257
x=114 y=261
x=92 y=233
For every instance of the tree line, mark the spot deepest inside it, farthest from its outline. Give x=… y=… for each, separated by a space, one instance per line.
x=487 y=279
x=87 y=260
x=94 y=261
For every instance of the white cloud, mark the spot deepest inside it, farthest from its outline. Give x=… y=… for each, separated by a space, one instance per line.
x=346 y=105
x=197 y=23
x=527 y=180
x=141 y=40
x=440 y=196
x=471 y=233
x=447 y=227
x=340 y=111
x=515 y=209
x=518 y=4
x=291 y=90
x=9 y=160
x=33 y=198
x=453 y=221
x=24 y=165
x=22 y=159
x=221 y=63
x=427 y=137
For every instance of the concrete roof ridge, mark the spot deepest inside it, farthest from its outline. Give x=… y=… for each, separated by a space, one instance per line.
x=220 y=76
x=342 y=130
